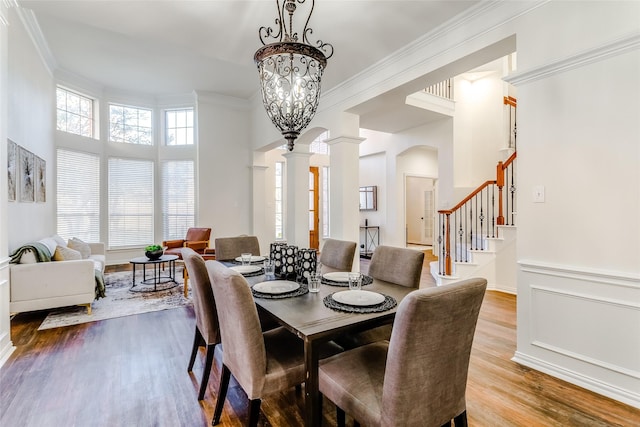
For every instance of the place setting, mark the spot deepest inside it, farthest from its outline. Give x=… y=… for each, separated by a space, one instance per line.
x=357 y=300
x=341 y=278
x=250 y=265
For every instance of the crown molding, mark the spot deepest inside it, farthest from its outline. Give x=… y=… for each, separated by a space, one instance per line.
x=486 y=16
x=613 y=48
x=32 y=27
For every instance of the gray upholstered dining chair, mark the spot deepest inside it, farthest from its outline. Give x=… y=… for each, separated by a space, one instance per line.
x=207 y=332
x=337 y=255
x=229 y=248
x=399 y=266
x=261 y=362
x=419 y=378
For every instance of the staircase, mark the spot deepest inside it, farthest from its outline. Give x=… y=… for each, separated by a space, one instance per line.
x=477 y=237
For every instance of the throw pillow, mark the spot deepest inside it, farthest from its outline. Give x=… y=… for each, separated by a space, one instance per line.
x=64 y=253
x=59 y=241
x=80 y=246
x=28 y=257
x=50 y=243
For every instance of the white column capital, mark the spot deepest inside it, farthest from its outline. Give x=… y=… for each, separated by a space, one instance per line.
x=345 y=138
x=259 y=167
x=296 y=155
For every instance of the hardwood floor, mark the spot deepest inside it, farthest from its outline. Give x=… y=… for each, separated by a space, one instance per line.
x=131 y=371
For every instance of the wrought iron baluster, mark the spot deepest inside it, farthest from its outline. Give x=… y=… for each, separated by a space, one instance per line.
x=481 y=222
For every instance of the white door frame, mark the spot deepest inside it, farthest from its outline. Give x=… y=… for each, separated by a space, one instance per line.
x=404 y=196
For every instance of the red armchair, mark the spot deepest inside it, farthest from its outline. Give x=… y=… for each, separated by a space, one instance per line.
x=196 y=239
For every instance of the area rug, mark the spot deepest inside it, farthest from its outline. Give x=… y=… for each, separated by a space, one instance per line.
x=121 y=300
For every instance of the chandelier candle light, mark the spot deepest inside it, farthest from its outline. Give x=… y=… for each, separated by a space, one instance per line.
x=290 y=72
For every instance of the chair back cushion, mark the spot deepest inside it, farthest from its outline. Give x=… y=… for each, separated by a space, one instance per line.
x=204 y=304
x=228 y=248
x=337 y=255
x=195 y=234
x=428 y=360
x=397 y=265
x=242 y=341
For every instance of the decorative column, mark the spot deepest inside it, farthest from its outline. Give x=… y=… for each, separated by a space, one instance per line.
x=297 y=197
x=260 y=226
x=344 y=189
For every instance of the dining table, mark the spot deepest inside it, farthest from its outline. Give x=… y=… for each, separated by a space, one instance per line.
x=312 y=321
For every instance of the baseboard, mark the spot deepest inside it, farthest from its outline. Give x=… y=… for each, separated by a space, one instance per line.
x=597 y=386
x=494 y=287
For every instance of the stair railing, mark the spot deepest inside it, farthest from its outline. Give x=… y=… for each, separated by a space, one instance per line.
x=466 y=226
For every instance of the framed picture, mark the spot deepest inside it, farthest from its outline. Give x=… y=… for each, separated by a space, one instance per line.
x=41 y=180
x=26 y=171
x=12 y=169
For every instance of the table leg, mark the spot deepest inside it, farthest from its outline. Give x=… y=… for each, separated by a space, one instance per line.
x=312 y=415
x=133 y=284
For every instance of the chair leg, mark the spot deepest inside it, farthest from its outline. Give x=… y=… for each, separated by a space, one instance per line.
x=225 y=376
x=461 y=420
x=340 y=417
x=197 y=339
x=254 y=412
x=206 y=372
x=356 y=424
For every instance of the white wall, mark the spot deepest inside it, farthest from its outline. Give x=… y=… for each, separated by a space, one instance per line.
x=6 y=345
x=224 y=166
x=31 y=124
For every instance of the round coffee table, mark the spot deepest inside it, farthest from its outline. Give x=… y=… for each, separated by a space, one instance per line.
x=158 y=266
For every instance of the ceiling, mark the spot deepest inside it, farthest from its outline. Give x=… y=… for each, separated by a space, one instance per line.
x=160 y=47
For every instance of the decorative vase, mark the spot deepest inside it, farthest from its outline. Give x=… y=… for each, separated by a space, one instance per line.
x=288 y=266
x=306 y=261
x=154 y=255
x=275 y=254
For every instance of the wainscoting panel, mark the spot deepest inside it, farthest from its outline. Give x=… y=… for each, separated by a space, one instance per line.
x=582 y=326
x=6 y=346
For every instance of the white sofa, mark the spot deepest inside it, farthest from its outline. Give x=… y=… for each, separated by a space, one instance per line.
x=45 y=285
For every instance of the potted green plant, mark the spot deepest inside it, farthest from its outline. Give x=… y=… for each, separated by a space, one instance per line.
x=153 y=252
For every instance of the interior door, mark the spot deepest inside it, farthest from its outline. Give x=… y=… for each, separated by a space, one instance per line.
x=419 y=208
x=314 y=218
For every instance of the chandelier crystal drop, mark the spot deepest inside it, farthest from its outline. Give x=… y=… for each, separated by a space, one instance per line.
x=290 y=71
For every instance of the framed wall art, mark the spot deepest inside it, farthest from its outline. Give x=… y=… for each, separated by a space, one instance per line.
x=12 y=169
x=41 y=180
x=26 y=166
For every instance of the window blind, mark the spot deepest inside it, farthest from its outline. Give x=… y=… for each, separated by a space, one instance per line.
x=178 y=198
x=78 y=195
x=130 y=202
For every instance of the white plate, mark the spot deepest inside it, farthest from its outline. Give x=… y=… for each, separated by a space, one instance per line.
x=337 y=276
x=244 y=269
x=276 y=287
x=254 y=258
x=359 y=298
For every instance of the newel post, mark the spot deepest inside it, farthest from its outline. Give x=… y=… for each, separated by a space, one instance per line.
x=500 y=184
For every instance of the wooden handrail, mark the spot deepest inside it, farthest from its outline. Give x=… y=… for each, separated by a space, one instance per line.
x=466 y=199
x=498 y=182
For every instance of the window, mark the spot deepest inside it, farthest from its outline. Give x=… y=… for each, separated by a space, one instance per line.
x=130 y=125
x=325 y=201
x=178 y=198
x=279 y=200
x=74 y=113
x=130 y=202
x=78 y=195
x=179 y=127
x=318 y=146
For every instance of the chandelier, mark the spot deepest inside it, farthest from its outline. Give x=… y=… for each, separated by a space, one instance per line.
x=290 y=71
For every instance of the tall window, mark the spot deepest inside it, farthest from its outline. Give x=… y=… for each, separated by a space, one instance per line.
x=130 y=202
x=78 y=195
x=130 y=125
x=179 y=127
x=279 y=200
x=325 y=201
x=178 y=198
x=318 y=146
x=74 y=113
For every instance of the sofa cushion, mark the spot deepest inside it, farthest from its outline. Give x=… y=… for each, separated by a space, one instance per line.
x=64 y=253
x=80 y=246
x=59 y=240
